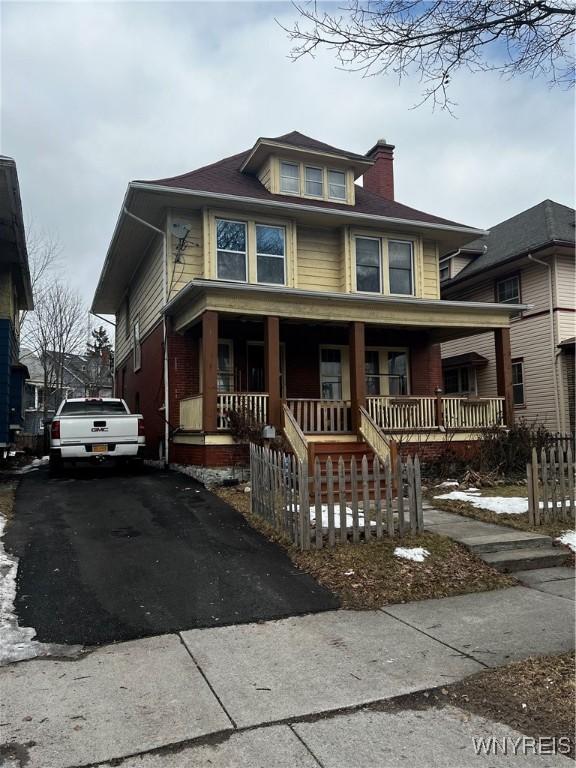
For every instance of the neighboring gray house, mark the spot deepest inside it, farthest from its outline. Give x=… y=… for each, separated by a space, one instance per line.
x=528 y=259
x=84 y=376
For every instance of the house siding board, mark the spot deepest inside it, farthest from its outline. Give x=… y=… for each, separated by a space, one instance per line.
x=191 y=264
x=320 y=261
x=565 y=280
x=430 y=288
x=146 y=301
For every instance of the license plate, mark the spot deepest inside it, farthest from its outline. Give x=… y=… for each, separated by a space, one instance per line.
x=99 y=448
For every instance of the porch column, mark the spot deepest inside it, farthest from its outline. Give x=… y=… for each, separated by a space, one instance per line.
x=272 y=370
x=357 y=371
x=504 y=372
x=209 y=370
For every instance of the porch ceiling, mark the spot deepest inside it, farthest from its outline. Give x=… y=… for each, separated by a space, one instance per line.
x=442 y=320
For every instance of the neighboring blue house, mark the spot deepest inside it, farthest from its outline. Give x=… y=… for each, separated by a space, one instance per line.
x=15 y=295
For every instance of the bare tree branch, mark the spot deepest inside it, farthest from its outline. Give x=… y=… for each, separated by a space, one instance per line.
x=436 y=39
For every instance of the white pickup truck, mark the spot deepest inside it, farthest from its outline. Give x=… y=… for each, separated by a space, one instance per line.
x=88 y=428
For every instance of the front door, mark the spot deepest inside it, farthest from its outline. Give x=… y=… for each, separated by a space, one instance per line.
x=255 y=367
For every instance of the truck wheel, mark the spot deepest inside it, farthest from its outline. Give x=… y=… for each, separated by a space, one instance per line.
x=55 y=466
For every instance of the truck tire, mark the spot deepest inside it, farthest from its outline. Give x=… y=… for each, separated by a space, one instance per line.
x=55 y=466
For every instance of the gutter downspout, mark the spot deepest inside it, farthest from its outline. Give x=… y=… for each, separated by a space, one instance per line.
x=552 y=336
x=165 y=330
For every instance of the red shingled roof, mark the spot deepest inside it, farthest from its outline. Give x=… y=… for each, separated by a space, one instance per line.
x=224 y=177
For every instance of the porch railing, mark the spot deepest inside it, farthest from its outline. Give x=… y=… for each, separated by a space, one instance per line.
x=255 y=403
x=294 y=435
x=397 y=414
x=191 y=413
x=473 y=413
x=321 y=416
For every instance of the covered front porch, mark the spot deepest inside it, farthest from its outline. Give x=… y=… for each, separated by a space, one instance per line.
x=324 y=378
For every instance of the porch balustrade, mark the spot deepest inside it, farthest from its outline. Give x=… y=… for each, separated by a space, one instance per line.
x=254 y=403
x=389 y=413
x=399 y=414
x=473 y=413
x=321 y=416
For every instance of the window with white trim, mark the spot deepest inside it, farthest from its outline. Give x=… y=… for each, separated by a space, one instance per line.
x=270 y=254
x=368 y=260
x=225 y=374
x=518 y=382
x=137 y=346
x=231 y=250
x=508 y=292
x=460 y=381
x=314 y=181
x=290 y=178
x=400 y=266
x=337 y=185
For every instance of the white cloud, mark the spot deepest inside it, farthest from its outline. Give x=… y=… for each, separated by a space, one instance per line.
x=97 y=94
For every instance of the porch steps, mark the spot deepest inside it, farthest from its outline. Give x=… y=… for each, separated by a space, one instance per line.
x=525 y=559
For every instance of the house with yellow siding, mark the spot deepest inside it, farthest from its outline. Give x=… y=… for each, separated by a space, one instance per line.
x=527 y=259
x=287 y=282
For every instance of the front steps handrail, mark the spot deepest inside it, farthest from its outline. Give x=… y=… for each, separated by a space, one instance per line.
x=374 y=436
x=294 y=435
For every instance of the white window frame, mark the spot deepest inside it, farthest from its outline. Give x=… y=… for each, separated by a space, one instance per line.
x=380 y=272
x=224 y=250
x=137 y=350
x=412 y=271
x=298 y=177
x=345 y=185
x=445 y=263
x=322 y=181
x=507 y=279
x=270 y=255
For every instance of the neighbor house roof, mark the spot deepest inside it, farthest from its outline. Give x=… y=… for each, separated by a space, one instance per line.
x=545 y=224
x=225 y=177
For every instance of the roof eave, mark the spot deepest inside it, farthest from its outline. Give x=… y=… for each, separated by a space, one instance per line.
x=438 y=227
x=250 y=165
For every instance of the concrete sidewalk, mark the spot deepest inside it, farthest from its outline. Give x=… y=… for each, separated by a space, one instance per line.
x=271 y=694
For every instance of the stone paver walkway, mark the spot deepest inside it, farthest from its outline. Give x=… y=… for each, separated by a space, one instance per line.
x=501 y=546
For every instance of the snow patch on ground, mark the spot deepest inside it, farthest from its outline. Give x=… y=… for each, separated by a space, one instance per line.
x=17 y=643
x=417 y=554
x=569 y=539
x=349 y=516
x=501 y=505
x=34 y=465
x=448 y=484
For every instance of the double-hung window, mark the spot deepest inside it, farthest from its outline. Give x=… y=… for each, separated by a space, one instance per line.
x=314 y=178
x=290 y=178
x=337 y=185
x=368 y=278
x=270 y=254
x=400 y=267
x=231 y=249
x=518 y=382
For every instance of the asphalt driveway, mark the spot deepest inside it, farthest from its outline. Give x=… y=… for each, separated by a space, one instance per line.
x=105 y=557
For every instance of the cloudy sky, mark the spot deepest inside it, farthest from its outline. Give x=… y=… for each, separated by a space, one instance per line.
x=96 y=94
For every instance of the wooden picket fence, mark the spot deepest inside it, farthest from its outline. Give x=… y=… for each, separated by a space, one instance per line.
x=550 y=481
x=340 y=501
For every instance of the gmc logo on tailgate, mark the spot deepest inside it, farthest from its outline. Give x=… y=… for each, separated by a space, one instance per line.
x=99 y=429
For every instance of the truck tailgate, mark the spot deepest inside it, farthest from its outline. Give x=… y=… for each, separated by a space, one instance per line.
x=116 y=428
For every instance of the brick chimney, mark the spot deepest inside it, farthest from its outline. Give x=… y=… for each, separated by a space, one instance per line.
x=380 y=177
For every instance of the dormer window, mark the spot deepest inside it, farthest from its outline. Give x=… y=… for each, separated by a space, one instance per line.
x=314 y=182
x=337 y=185
x=290 y=178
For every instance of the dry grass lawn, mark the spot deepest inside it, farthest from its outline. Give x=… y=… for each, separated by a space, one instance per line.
x=368 y=576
